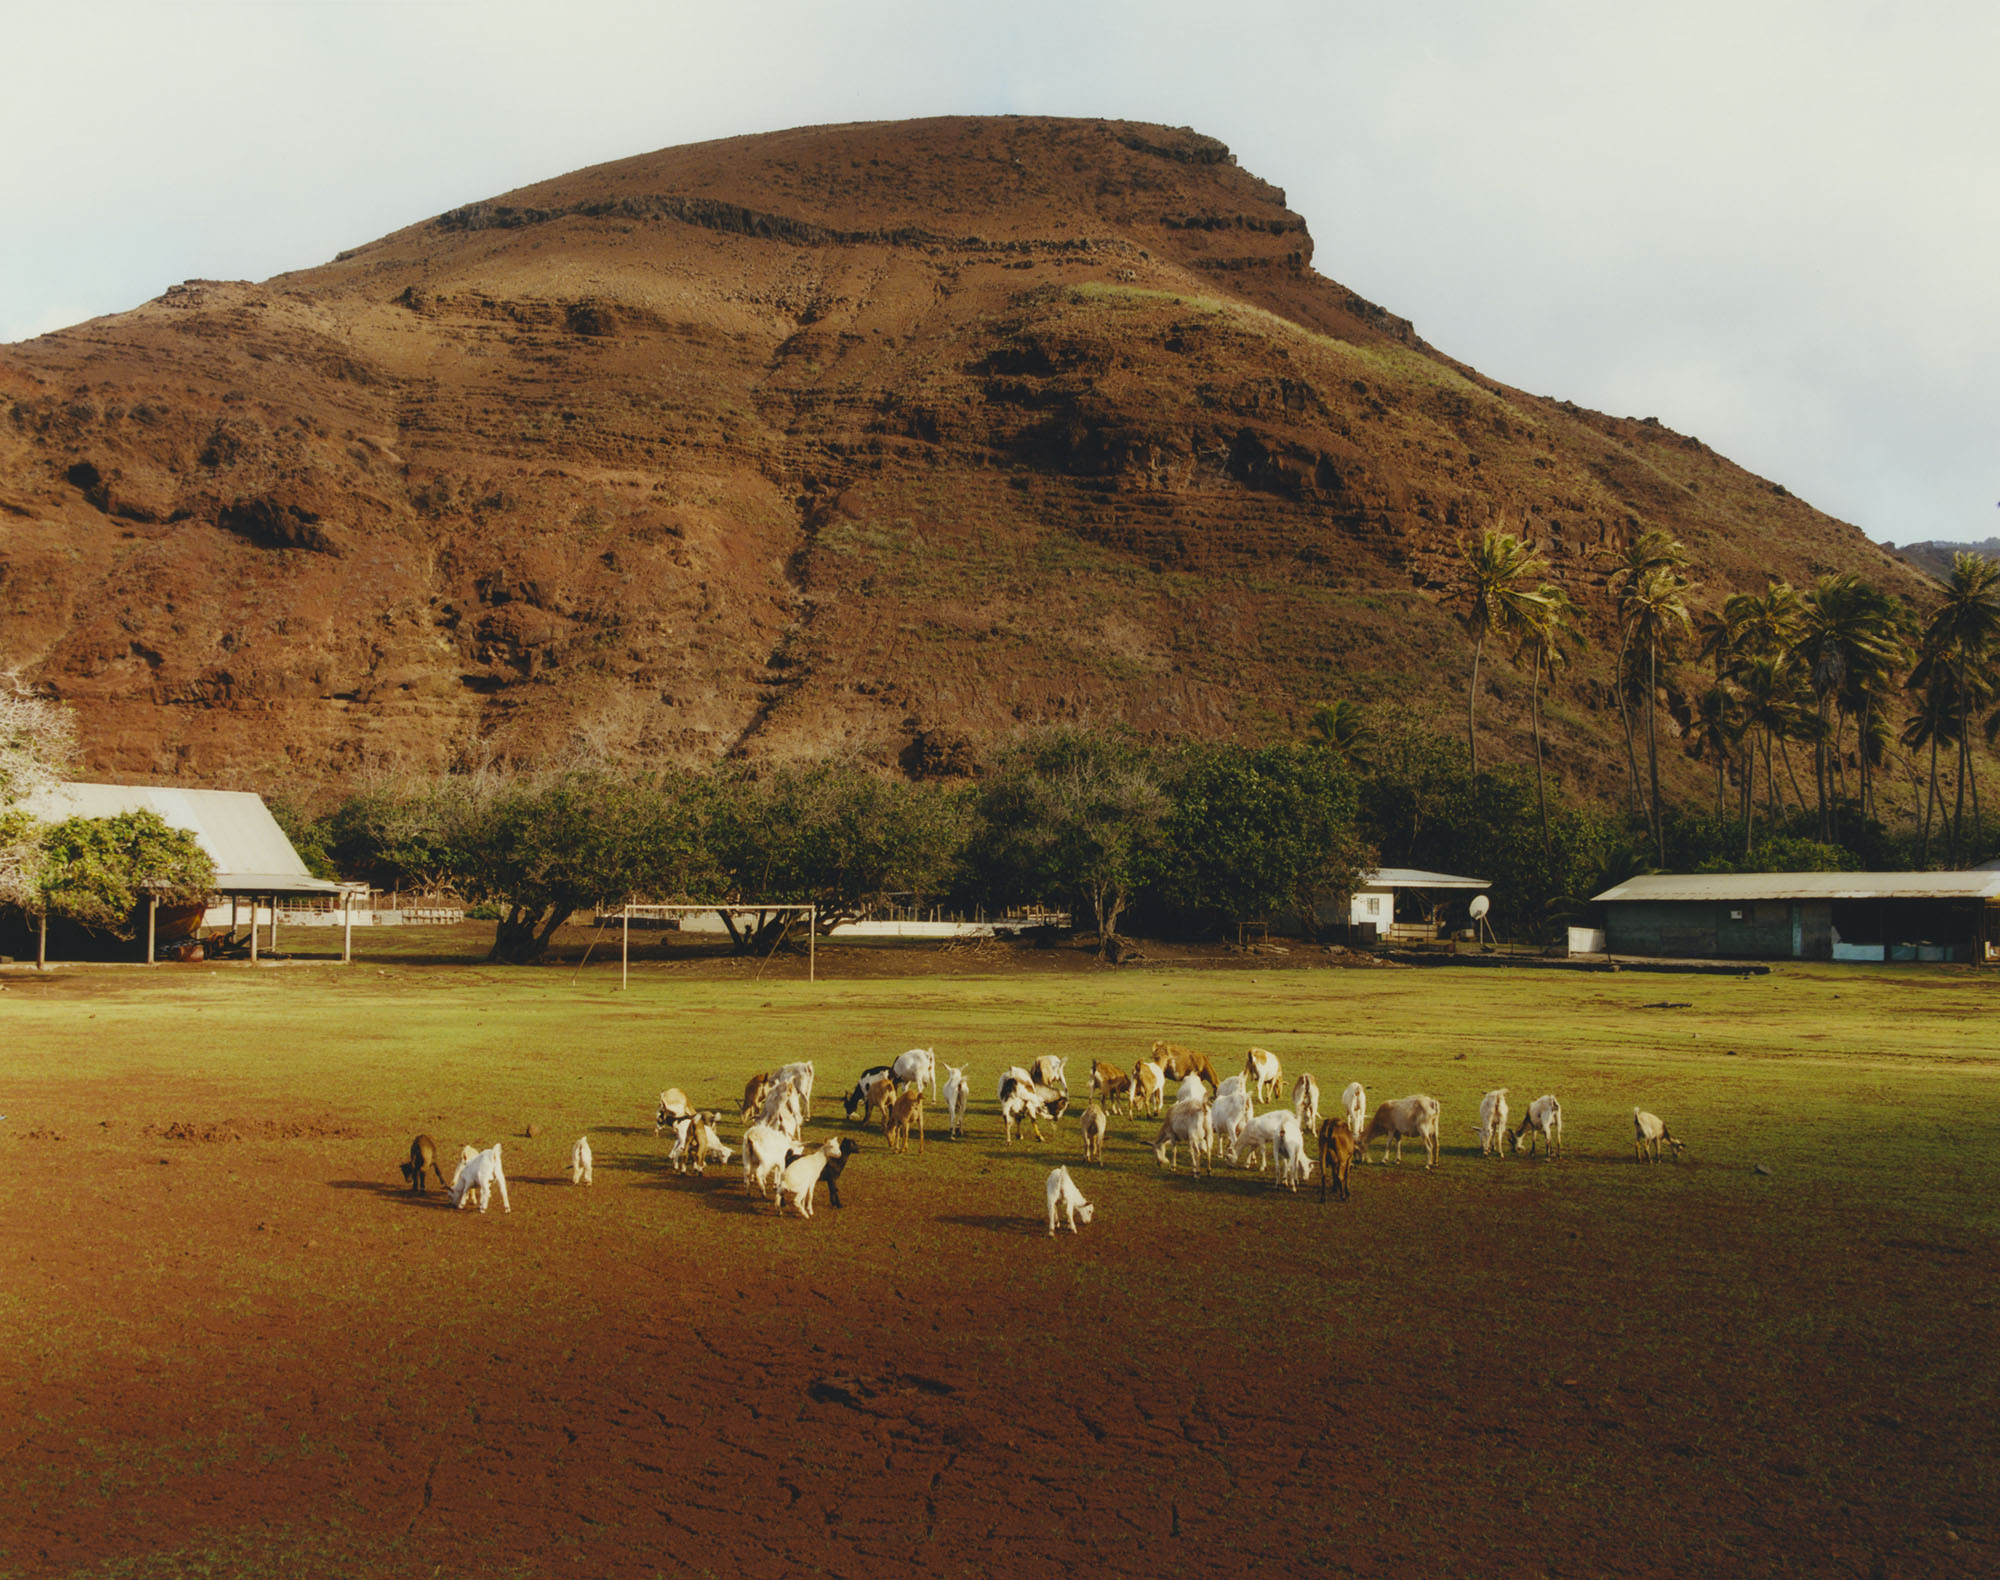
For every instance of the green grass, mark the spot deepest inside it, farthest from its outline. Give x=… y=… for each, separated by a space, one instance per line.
x=1683 y=1363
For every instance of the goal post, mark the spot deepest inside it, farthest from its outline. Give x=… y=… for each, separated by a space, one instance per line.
x=809 y=912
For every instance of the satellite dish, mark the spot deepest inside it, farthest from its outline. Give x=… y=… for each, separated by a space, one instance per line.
x=1480 y=906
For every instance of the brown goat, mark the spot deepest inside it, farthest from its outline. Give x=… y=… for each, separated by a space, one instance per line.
x=1110 y=1083
x=1336 y=1155
x=1179 y=1063
x=897 y=1114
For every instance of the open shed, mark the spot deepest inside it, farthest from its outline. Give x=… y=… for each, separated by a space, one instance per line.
x=255 y=864
x=1860 y=916
x=1409 y=905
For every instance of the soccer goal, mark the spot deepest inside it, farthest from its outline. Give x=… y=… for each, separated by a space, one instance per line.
x=809 y=912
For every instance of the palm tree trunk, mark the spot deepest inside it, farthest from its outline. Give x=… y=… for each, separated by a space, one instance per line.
x=1471 y=703
x=1958 y=807
x=1791 y=773
x=1625 y=718
x=1749 y=790
x=1930 y=800
x=1653 y=746
x=1541 y=793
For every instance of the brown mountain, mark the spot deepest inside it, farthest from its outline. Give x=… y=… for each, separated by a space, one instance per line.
x=883 y=438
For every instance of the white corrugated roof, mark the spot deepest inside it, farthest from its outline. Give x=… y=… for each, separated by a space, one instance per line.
x=1417 y=878
x=251 y=853
x=1808 y=886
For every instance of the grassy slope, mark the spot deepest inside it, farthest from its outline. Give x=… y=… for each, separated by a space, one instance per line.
x=1558 y=1339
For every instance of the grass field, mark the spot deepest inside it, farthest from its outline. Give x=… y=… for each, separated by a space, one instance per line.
x=234 y=1346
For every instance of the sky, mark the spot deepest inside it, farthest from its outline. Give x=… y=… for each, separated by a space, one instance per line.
x=1774 y=224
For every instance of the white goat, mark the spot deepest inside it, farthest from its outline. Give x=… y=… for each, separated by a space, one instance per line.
x=1261 y=1135
x=801 y=1174
x=799 y=1077
x=1064 y=1196
x=918 y=1065
x=579 y=1161
x=765 y=1149
x=1048 y=1071
x=1401 y=1120
x=956 y=1089
x=784 y=1109
x=1186 y=1124
x=1261 y=1066
x=1149 y=1087
x=1354 y=1109
x=1227 y=1116
x=1191 y=1090
x=1233 y=1083
x=1650 y=1131
x=1305 y=1103
x=1492 y=1131
x=1545 y=1119
x=1294 y=1167
x=674 y=1107
x=480 y=1173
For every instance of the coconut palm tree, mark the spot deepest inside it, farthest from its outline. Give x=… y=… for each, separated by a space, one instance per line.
x=1650 y=552
x=1932 y=722
x=1846 y=631
x=1343 y=729
x=1963 y=630
x=1771 y=706
x=1656 y=616
x=1552 y=634
x=1495 y=580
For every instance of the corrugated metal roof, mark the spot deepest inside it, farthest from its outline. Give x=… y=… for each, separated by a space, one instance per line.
x=250 y=851
x=1417 y=878
x=1807 y=886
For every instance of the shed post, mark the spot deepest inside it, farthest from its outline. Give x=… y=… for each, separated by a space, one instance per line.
x=274 y=924
x=152 y=927
x=253 y=929
x=625 y=950
x=812 y=943
x=346 y=926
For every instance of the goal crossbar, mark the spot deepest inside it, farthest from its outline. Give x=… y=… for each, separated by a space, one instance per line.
x=722 y=908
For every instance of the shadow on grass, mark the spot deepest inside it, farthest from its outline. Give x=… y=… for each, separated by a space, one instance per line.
x=994 y=1223
x=401 y=1193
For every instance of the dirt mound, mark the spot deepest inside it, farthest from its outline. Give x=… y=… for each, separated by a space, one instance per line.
x=211 y=1131
x=883 y=439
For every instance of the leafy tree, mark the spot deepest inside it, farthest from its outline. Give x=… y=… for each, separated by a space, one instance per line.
x=99 y=871
x=543 y=849
x=1254 y=833
x=836 y=836
x=1076 y=813
x=37 y=750
x=407 y=832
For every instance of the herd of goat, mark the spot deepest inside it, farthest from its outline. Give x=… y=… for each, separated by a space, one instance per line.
x=1208 y=1116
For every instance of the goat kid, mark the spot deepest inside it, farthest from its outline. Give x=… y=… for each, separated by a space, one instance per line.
x=579 y=1161
x=481 y=1174
x=1650 y=1131
x=1065 y=1198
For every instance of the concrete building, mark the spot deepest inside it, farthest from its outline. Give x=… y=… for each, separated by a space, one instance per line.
x=1859 y=916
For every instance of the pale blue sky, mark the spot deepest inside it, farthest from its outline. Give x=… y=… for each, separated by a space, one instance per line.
x=1772 y=223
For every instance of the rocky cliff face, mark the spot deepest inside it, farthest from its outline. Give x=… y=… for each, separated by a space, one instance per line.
x=879 y=438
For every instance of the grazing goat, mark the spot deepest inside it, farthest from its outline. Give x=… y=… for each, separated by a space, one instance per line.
x=1064 y=1197
x=803 y=1171
x=755 y=1090
x=765 y=1149
x=1176 y=1061
x=917 y=1067
x=423 y=1155
x=1305 y=1103
x=784 y=1110
x=1149 y=1087
x=1186 y=1124
x=1048 y=1071
x=1261 y=1067
x=1192 y=1090
x=1024 y=1102
x=674 y=1107
x=1227 y=1116
x=907 y=1104
x=1400 y=1120
x=1492 y=1131
x=1233 y=1083
x=799 y=1077
x=480 y=1173
x=1094 y=1126
x=956 y=1090
x=696 y=1144
x=1336 y=1156
x=1545 y=1119
x=1110 y=1083
x=1354 y=1110
x=579 y=1161
x=1293 y=1166
x=871 y=1092
x=1650 y=1130
x=1259 y=1136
